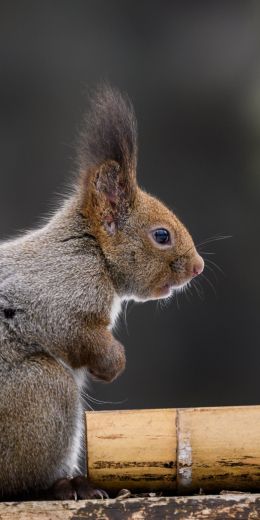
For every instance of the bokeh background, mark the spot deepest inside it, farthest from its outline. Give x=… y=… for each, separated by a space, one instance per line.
x=192 y=71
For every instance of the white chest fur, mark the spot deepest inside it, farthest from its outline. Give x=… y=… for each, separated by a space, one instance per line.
x=115 y=310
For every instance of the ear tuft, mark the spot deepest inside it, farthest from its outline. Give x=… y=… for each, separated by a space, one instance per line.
x=109 y=131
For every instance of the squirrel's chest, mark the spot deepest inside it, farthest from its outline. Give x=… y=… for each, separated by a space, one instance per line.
x=115 y=310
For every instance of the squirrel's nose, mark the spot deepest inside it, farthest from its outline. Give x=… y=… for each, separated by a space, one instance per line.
x=198 y=266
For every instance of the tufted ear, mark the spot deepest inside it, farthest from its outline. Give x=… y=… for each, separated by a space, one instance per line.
x=107 y=159
x=109 y=195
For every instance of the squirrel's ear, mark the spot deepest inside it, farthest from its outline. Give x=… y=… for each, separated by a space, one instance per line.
x=107 y=158
x=109 y=194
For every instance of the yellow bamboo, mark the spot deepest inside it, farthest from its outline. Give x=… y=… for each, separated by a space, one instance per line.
x=134 y=449
x=181 y=450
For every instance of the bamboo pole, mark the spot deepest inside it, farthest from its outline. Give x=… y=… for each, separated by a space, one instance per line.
x=180 y=450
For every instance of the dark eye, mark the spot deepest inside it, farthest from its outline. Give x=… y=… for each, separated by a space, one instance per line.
x=161 y=236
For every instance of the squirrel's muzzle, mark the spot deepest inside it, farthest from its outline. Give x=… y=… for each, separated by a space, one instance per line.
x=198 y=266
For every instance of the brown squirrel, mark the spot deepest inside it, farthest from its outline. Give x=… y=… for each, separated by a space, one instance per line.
x=61 y=288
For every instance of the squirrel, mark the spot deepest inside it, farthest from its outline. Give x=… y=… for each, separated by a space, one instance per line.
x=61 y=288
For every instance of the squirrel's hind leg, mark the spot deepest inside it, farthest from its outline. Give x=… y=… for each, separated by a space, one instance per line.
x=39 y=416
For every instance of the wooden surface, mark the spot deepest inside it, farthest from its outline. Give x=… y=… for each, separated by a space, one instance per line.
x=181 y=450
x=220 y=507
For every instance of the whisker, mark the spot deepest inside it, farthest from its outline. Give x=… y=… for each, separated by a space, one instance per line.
x=212 y=271
x=213 y=239
x=177 y=301
x=206 y=252
x=88 y=405
x=209 y=283
x=125 y=305
x=98 y=401
x=217 y=266
x=183 y=254
x=200 y=286
x=209 y=240
x=186 y=292
x=189 y=289
x=160 y=304
x=198 y=289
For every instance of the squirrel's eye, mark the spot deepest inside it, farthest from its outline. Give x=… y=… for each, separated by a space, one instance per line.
x=161 y=236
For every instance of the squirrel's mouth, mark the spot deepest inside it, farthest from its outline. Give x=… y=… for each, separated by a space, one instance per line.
x=166 y=290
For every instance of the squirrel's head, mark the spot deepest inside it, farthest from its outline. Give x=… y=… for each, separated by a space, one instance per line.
x=147 y=250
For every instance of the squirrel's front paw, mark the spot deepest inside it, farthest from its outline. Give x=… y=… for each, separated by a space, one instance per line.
x=110 y=363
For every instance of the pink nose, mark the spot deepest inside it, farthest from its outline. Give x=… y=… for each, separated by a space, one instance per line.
x=198 y=266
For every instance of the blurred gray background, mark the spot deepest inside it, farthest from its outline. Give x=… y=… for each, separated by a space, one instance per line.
x=192 y=71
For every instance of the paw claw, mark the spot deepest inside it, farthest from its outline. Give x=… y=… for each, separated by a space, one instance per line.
x=77 y=488
x=97 y=494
